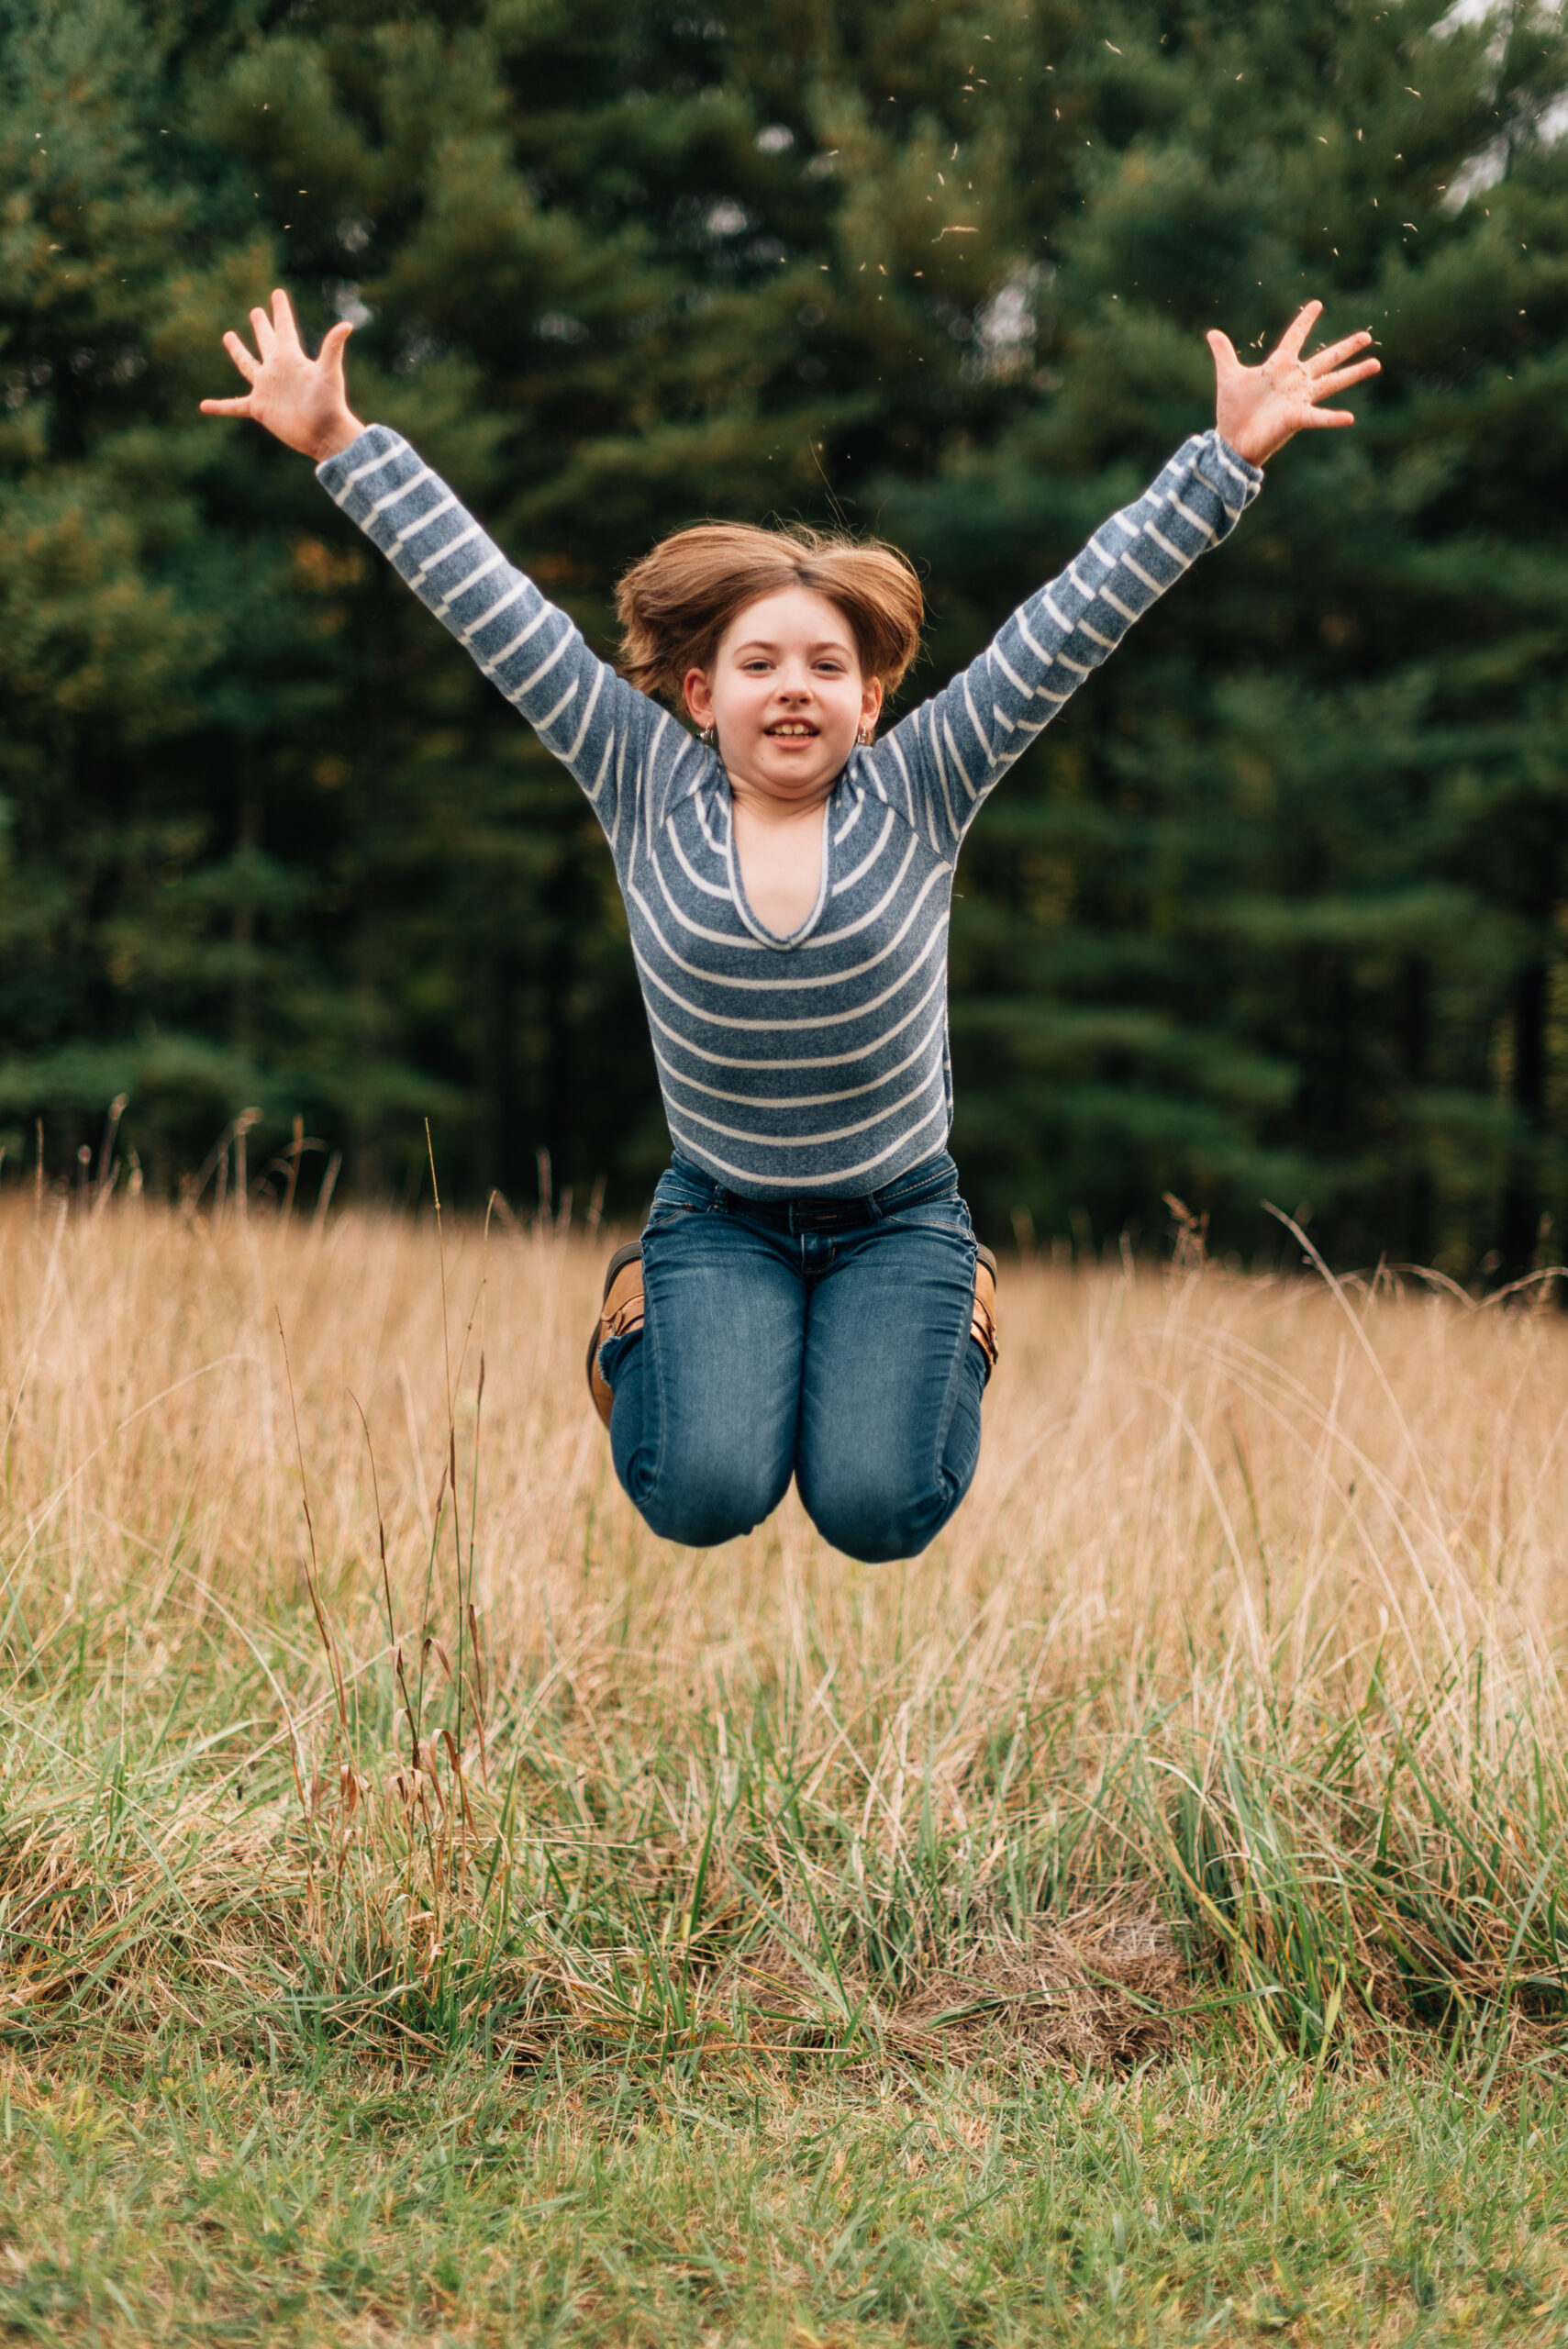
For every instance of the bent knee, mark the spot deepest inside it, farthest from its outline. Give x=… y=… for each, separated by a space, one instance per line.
x=880 y=1501
x=701 y=1499
x=878 y=1511
x=878 y=1522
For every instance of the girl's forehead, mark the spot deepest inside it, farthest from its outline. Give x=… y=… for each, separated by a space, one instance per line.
x=791 y=618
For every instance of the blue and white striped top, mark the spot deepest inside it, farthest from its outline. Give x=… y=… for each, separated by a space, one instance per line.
x=816 y=1062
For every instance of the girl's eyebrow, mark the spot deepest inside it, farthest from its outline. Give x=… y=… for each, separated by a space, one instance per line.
x=758 y=644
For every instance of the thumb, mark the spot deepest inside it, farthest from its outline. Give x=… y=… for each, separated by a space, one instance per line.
x=332 y=344
x=1225 y=360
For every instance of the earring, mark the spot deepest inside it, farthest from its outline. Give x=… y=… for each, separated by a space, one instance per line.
x=706 y=738
x=867 y=734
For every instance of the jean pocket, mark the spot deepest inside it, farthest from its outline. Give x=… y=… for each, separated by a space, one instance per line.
x=675 y=1197
x=949 y=1214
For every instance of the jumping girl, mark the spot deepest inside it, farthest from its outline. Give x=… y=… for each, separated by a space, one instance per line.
x=807 y=1298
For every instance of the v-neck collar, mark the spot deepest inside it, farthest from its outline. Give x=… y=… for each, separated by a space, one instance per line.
x=757 y=928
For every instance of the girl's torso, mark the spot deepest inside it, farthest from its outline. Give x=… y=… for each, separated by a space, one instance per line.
x=814 y=1060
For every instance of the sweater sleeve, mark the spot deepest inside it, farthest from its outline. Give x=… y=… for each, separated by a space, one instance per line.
x=598 y=726
x=944 y=760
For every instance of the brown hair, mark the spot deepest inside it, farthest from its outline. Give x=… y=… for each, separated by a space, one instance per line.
x=676 y=604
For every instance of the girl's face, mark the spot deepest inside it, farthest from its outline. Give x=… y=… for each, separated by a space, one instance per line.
x=785 y=694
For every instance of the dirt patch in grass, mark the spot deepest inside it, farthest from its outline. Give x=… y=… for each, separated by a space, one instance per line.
x=1104 y=1986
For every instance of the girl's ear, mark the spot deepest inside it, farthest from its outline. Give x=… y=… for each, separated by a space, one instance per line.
x=871 y=701
x=698 y=696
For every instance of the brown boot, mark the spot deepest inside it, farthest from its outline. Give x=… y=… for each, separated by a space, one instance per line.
x=982 y=1324
x=621 y=1311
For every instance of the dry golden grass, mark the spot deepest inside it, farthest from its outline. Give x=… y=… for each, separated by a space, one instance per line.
x=1250 y=1635
x=1176 y=1464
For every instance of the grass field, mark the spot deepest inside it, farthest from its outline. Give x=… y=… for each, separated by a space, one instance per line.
x=1144 y=1919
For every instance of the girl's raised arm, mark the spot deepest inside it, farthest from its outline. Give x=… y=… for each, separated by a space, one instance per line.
x=950 y=754
x=581 y=710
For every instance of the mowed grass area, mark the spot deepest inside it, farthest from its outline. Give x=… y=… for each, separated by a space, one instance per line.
x=1142 y=1919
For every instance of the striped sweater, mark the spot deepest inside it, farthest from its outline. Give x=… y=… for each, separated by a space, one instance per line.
x=818 y=1063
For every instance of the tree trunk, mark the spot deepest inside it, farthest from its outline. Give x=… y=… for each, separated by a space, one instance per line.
x=1519 y=1233
x=1416 y=1241
x=248 y=840
x=367 y=1160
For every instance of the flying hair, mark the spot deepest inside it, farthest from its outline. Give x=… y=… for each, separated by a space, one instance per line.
x=676 y=604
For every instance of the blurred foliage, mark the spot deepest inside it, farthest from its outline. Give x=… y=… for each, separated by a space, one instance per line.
x=1277 y=911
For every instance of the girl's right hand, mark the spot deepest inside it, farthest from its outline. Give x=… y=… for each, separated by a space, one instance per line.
x=302 y=401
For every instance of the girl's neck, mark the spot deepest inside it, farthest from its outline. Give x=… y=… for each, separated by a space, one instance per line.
x=760 y=804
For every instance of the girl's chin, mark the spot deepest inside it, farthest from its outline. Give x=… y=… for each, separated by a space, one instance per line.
x=797 y=753
x=800 y=774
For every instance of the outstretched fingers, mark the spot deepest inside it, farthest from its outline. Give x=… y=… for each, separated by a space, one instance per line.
x=282 y=320
x=1334 y=354
x=1325 y=386
x=1309 y=417
x=249 y=365
x=1300 y=327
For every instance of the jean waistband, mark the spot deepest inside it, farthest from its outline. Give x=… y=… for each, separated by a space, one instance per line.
x=933 y=1178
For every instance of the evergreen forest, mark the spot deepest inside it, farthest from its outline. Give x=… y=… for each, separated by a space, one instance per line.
x=1278 y=910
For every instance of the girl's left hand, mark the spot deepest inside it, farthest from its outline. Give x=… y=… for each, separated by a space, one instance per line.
x=1259 y=409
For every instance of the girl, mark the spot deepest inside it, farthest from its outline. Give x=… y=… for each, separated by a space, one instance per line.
x=807 y=1298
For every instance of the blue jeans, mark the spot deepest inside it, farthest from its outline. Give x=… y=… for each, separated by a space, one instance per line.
x=828 y=1339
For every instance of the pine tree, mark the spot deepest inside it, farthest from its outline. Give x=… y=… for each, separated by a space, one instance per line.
x=1274 y=915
